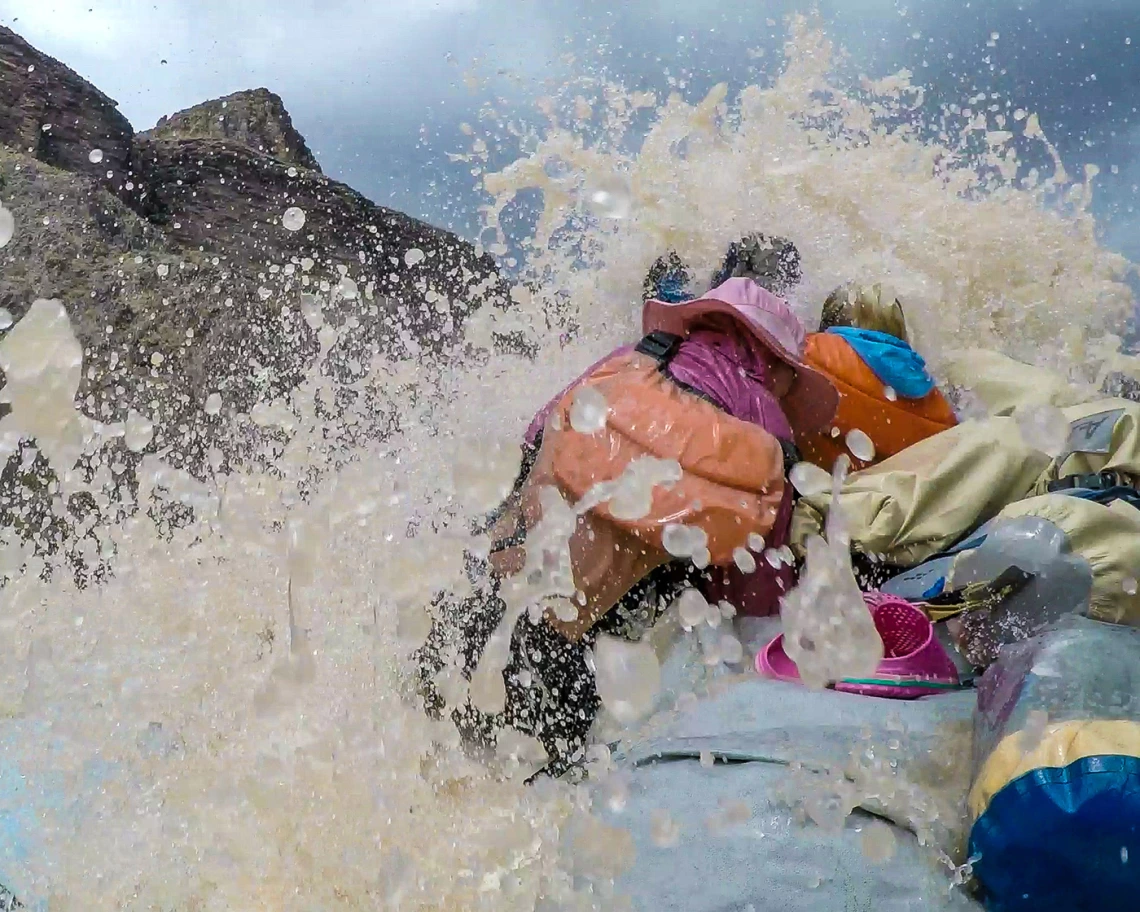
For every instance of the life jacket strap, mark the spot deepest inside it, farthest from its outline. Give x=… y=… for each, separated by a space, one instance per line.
x=1098 y=481
x=791 y=454
x=660 y=346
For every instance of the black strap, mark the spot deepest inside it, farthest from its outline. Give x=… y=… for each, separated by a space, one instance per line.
x=660 y=346
x=1098 y=481
x=791 y=454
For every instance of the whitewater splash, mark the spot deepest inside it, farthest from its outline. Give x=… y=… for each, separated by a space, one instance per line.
x=224 y=723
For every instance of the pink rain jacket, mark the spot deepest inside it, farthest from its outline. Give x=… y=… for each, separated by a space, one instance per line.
x=729 y=369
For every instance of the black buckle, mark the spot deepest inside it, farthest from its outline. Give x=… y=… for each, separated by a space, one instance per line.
x=791 y=455
x=1099 y=481
x=660 y=346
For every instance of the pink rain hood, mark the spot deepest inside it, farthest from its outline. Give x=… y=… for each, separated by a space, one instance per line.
x=729 y=368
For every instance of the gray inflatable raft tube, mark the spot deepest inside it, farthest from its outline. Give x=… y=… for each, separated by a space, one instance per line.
x=742 y=844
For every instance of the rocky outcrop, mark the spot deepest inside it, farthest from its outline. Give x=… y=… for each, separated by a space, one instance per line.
x=183 y=277
x=222 y=197
x=256 y=119
x=189 y=238
x=49 y=112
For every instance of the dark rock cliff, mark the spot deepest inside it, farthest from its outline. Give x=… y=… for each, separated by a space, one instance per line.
x=256 y=119
x=181 y=273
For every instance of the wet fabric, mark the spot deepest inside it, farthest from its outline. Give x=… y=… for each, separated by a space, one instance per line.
x=731 y=371
x=769 y=860
x=891 y=422
x=704 y=363
x=892 y=360
x=1104 y=437
x=762 y=317
x=539 y=421
x=730 y=368
x=729 y=482
x=927 y=497
x=1003 y=385
x=1107 y=538
x=1055 y=798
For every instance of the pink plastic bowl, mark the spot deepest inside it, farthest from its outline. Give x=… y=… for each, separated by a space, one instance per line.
x=914 y=663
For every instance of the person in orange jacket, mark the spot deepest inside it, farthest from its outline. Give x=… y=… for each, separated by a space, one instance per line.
x=885 y=390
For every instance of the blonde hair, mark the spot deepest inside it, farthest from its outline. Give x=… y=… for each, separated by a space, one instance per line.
x=864 y=307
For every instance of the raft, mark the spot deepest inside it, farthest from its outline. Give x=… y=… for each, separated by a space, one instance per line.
x=741 y=841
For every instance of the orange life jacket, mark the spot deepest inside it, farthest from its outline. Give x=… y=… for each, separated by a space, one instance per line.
x=731 y=482
x=892 y=425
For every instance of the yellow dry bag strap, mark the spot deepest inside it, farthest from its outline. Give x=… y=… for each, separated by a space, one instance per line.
x=983 y=596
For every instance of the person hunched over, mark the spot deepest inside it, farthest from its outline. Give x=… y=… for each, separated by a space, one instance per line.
x=717 y=383
x=885 y=390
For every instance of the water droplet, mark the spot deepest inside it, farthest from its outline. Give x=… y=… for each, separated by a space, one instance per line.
x=292 y=172
x=588 y=410
x=631 y=495
x=683 y=541
x=772 y=556
x=1130 y=585
x=157 y=358
x=163 y=270
x=139 y=432
x=707 y=759
x=610 y=197
x=860 y=445
x=7 y=227
x=628 y=675
x=95 y=156
x=46 y=128
x=809 y=479
x=1124 y=854
x=293 y=219
x=692 y=608
x=484 y=474
x=731 y=650
x=879 y=842
x=744 y=560
x=311 y=310
x=755 y=542
x=413 y=256
x=664 y=831
x=890 y=394
x=557 y=168
x=6 y=318
x=1044 y=428
x=213 y=404
x=348 y=289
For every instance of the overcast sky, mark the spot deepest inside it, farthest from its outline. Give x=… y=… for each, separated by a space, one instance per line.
x=377 y=86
